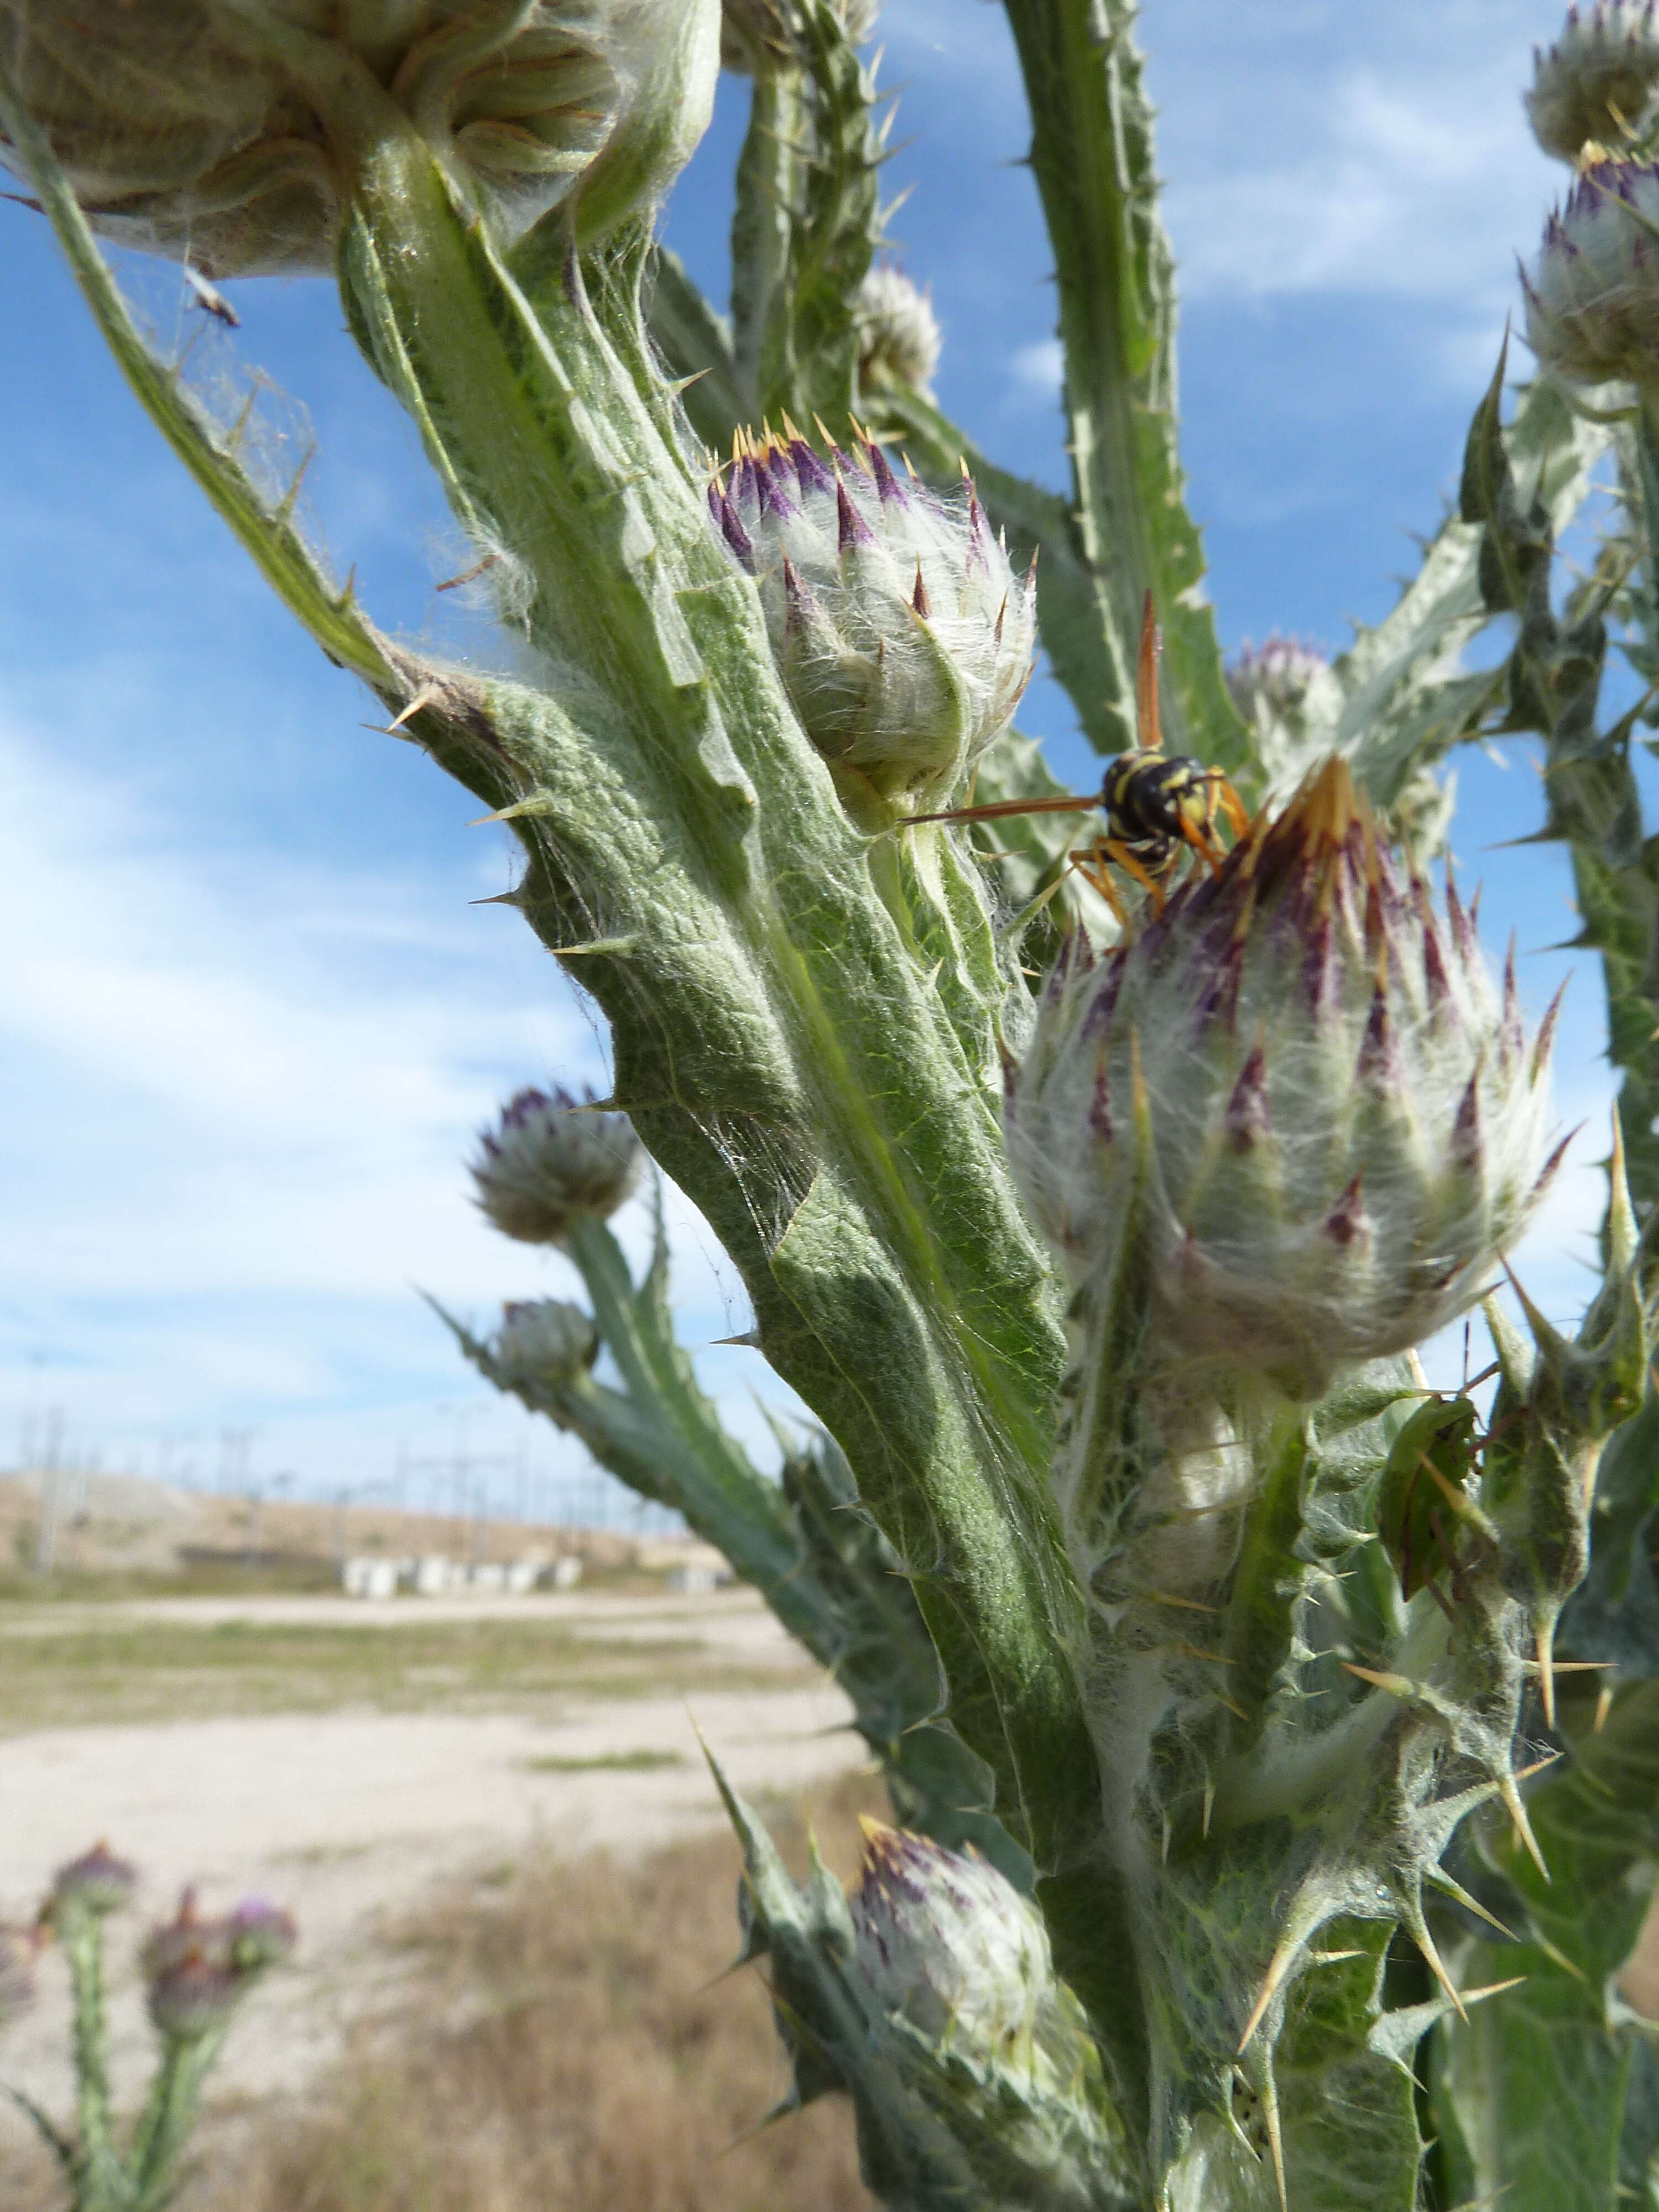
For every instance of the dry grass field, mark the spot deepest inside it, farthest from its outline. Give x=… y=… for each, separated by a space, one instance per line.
x=102 y=1664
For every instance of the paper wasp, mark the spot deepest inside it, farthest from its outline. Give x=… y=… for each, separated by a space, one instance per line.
x=1155 y=803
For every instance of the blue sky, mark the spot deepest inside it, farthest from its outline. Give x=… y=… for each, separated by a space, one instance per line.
x=249 y=1015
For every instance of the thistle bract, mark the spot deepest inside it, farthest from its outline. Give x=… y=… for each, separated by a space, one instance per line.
x=1593 y=296
x=549 y=1161
x=903 y=637
x=1597 y=80
x=951 y=1945
x=201 y=130
x=542 y=1340
x=1293 y=1097
x=898 y=333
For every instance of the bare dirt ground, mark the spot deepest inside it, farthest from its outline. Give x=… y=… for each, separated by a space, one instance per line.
x=350 y=1817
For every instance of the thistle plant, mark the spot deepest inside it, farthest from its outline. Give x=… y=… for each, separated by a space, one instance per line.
x=1288 y=1726
x=197 y=1971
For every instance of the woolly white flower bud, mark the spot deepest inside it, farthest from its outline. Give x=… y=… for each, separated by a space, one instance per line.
x=549 y=1161
x=187 y=132
x=903 y=637
x=950 y=1943
x=1597 y=81
x=543 y=1340
x=1297 y=1091
x=898 y=333
x=1593 y=299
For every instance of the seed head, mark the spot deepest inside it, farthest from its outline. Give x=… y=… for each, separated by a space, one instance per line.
x=950 y=1943
x=188 y=127
x=551 y=1160
x=1592 y=298
x=97 y=1882
x=903 y=637
x=1298 y=1090
x=1597 y=81
x=898 y=333
x=543 y=1340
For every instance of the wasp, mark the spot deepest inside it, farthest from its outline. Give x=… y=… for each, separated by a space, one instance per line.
x=1155 y=804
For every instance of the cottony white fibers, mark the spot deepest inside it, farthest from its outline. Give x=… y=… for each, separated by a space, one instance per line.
x=902 y=636
x=550 y=1160
x=1293 y=1101
x=1598 y=79
x=1592 y=298
x=201 y=128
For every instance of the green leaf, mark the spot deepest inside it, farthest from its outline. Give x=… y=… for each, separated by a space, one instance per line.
x=1550 y=2087
x=1092 y=155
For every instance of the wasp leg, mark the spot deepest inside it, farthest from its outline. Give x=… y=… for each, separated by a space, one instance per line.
x=1131 y=867
x=1205 y=846
x=1222 y=794
x=1088 y=866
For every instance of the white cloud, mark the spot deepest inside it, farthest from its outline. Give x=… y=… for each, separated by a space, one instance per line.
x=240 y=1101
x=1034 y=372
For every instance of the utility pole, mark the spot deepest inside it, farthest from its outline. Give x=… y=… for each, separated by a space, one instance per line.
x=45 y=1535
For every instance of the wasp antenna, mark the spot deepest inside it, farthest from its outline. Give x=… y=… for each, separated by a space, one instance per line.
x=1148 y=734
x=999 y=809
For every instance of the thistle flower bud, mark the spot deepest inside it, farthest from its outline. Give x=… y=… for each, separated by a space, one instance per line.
x=951 y=1945
x=1597 y=81
x=543 y=1340
x=1293 y=1096
x=259 y=1934
x=549 y=1161
x=903 y=637
x=187 y=130
x=1592 y=298
x=97 y=1882
x=1278 y=676
x=898 y=333
x=197 y=1971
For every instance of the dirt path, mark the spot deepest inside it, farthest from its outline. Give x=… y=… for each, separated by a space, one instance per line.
x=348 y=1817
